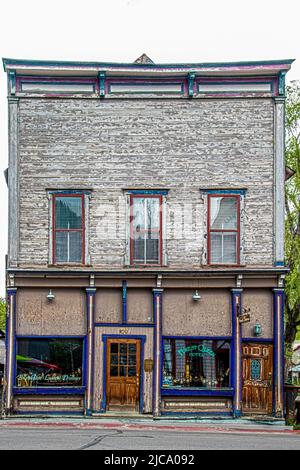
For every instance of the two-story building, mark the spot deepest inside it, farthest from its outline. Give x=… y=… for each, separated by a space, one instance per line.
x=146 y=237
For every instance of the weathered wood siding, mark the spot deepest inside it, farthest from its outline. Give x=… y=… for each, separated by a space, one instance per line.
x=211 y=316
x=260 y=303
x=110 y=145
x=99 y=361
x=64 y=316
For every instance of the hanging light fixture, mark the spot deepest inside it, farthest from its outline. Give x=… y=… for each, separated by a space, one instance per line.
x=50 y=296
x=196 y=296
x=257 y=329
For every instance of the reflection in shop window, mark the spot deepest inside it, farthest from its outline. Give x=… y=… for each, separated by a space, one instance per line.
x=49 y=362
x=196 y=363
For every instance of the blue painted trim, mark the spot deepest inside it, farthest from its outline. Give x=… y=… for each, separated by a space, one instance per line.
x=281 y=83
x=90 y=293
x=234 y=82
x=49 y=391
x=70 y=191
x=50 y=413
x=235 y=349
x=133 y=325
x=57 y=82
x=124 y=302
x=197 y=392
x=156 y=293
x=196 y=413
x=255 y=339
x=101 y=78
x=161 y=192
x=280 y=264
x=133 y=81
x=224 y=191
x=214 y=338
x=12 y=80
x=278 y=353
x=143 y=339
x=191 y=84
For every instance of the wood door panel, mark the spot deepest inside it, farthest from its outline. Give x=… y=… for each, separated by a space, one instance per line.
x=257 y=378
x=123 y=373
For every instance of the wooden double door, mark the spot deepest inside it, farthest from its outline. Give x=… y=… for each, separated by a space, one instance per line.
x=123 y=374
x=257 y=378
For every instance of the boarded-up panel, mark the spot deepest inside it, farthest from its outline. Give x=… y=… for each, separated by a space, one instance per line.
x=260 y=303
x=65 y=315
x=139 y=305
x=108 y=306
x=210 y=316
x=99 y=361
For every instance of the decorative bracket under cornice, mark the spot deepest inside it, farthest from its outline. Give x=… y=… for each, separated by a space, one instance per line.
x=191 y=82
x=101 y=77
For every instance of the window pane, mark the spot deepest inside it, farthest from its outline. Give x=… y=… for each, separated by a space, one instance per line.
x=152 y=213
x=223 y=248
x=49 y=362
x=138 y=214
x=223 y=213
x=139 y=249
x=68 y=247
x=68 y=212
x=152 y=251
x=196 y=363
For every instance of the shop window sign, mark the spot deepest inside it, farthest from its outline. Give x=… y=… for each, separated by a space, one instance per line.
x=54 y=362
x=196 y=363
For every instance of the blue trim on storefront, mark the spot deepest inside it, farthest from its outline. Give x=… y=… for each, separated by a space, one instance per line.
x=143 y=339
x=124 y=302
x=50 y=413
x=197 y=392
x=255 y=339
x=49 y=391
x=121 y=325
x=196 y=413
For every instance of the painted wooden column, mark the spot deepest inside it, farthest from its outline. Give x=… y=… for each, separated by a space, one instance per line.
x=278 y=298
x=13 y=181
x=157 y=317
x=236 y=352
x=279 y=167
x=90 y=307
x=10 y=347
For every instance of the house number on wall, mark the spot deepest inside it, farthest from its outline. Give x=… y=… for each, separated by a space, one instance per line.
x=124 y=331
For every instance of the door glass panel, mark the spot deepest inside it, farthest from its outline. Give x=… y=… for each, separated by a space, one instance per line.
x=255 y=369
x=132 y=360
x=114 y=348
x=132 y=348
x=123 y=348
x=114 y=359
x=122 y=371
x=131 y=371
x=114 y=371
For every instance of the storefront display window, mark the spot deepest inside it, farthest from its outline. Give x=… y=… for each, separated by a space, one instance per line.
x=54 y=362
x=196 y=363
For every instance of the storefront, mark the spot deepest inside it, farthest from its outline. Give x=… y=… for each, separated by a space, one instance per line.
x=145 y=349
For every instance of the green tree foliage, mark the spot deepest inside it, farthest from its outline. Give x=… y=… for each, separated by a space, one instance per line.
x=2 y=314
x=292 y=223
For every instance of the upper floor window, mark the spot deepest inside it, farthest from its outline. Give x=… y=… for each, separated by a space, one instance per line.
x=223 y=229
x=146 y=229
x=68 y=228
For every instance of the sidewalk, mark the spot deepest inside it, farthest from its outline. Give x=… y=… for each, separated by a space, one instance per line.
x=208 y=426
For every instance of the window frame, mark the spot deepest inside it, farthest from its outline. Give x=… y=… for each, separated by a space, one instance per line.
x=82 y=230
x=237 y=230
x=160 y=251
x=51 y=389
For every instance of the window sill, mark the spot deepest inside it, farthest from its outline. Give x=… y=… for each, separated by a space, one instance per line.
x=49 y=390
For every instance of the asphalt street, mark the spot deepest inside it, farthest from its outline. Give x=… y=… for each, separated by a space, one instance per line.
x=119 y=437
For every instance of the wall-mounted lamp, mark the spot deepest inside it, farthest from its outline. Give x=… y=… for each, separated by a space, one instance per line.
x=50 y=296
x=196 y=296
x=257 y=329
